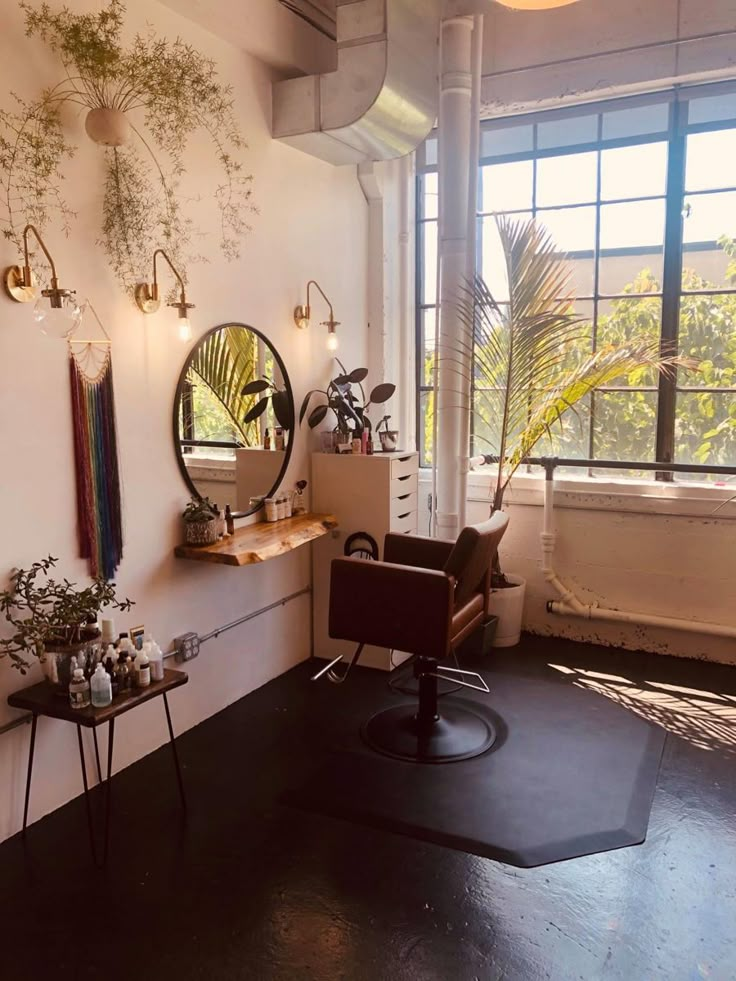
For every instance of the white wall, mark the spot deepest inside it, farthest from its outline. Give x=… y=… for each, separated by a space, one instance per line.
x=312 y=223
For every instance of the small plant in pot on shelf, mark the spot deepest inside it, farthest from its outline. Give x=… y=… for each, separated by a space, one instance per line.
x=531 y=367
x=52 y=620
x=201 y=520
x=349 y=409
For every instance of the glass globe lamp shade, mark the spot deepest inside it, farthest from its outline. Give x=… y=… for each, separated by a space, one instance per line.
x=57 y=321
x=185 y=330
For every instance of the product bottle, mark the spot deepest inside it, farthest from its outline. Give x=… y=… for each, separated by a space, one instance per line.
x=110 y=661
x=108 y=631
x=279 y=439
x=267 y=441
x=369 y=445
x=122 y=671
x=221 y=528
x=101 y=687
x=229 y=523
x=364 y=441
x=78 y=690
x=355 y=445
x=156 y=658
x=142 y=669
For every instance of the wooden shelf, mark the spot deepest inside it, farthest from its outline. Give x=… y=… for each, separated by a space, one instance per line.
x=262 y=541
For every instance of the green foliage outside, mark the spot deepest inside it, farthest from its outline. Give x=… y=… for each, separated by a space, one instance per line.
x=625 y=422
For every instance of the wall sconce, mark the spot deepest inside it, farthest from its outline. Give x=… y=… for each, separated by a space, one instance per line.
x=302 y=315
x=148 y=300
x=62 y=313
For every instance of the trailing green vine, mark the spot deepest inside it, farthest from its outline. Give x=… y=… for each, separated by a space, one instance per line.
x=167 y=91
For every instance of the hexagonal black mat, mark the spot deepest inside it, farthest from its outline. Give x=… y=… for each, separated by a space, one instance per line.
x=571 y=773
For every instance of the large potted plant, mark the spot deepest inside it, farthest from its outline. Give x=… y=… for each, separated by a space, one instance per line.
x=532 y=370
x=52 y=620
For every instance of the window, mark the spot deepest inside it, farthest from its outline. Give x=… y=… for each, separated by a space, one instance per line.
x=641 y=196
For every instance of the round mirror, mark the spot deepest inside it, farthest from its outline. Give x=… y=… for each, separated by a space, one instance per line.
x=233 y=418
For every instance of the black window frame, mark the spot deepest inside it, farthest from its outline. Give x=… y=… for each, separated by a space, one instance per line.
x=675 y=135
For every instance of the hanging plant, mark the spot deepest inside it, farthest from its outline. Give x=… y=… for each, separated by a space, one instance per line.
x=144 y=103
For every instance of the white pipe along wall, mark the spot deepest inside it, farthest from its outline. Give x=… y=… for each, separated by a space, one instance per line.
x=570 y=605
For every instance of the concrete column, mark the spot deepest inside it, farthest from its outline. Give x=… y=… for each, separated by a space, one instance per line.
x=455 y=137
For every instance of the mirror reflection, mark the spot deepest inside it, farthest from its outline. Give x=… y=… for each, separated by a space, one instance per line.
x=233 y=418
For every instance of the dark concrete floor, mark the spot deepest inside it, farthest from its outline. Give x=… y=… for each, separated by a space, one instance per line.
x=246 y=888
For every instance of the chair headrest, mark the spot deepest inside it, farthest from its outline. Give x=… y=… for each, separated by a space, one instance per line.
x=473 y=554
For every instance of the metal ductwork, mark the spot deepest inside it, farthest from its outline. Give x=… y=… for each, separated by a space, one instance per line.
x=382 y=100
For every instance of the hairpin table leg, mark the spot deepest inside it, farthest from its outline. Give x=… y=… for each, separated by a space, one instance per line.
x=108 y=786
x=30 y=771
x=173 y=750
x=97 y=755
x=86 y=795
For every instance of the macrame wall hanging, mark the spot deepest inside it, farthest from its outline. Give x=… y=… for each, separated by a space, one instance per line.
x=99 y=518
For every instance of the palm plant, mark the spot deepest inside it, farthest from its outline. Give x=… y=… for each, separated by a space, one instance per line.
x=225 y=362
x=529 y=366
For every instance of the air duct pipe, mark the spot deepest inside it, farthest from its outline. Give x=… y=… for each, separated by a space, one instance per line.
x=382 y=100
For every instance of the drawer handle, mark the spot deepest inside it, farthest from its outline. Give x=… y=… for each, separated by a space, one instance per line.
x=407 y=477
x=400 y=516
x=403 y=497
x=404 y=459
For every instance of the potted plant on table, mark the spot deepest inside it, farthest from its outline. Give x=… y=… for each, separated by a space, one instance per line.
x=53 y=620
x=530 y=369
x=201 y=520
x=350 y=411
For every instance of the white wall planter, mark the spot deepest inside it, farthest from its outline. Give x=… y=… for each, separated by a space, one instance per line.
x=107 y=127
x=508 y=605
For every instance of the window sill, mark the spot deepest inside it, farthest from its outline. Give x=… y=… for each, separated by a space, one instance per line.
x=694 y=500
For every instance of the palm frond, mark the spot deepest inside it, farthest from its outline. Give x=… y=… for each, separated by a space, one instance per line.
x=225 y=363
x=524 y=354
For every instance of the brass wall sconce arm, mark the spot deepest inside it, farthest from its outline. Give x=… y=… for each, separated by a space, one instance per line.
x=303 y=314
x=148 y=299
x=19 y=283
x=147 y=294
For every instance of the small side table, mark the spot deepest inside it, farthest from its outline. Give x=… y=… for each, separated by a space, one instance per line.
x=40 y=699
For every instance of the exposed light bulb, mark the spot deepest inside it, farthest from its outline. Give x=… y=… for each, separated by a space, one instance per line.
x=332 y=342
x=185 y=329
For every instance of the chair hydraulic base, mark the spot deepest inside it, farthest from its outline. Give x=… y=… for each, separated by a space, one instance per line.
x=426 y=735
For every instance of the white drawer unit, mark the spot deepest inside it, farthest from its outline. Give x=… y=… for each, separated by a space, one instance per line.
x=375 y=494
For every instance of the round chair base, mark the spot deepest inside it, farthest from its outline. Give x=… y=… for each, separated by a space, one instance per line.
x=459 y=733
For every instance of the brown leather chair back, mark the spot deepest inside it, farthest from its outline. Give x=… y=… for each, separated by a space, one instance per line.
x=471 y=558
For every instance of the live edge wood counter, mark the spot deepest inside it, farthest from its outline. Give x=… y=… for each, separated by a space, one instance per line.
x=262 y=541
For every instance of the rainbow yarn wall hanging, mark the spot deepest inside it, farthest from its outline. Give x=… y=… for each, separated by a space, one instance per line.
x=99 y=512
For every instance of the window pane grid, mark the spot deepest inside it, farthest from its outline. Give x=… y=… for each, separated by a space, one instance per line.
x=628 y=248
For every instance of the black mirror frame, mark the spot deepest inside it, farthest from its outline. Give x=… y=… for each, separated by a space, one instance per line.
x=177 y=402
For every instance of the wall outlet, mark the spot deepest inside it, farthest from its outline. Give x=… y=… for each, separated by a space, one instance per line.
x=186 y=647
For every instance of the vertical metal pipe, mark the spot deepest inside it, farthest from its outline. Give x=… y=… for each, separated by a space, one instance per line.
x=476 y=72
x=453 y=360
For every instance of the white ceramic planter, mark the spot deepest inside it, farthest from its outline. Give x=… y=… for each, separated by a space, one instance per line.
x=508 y=606
x=107 y=127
